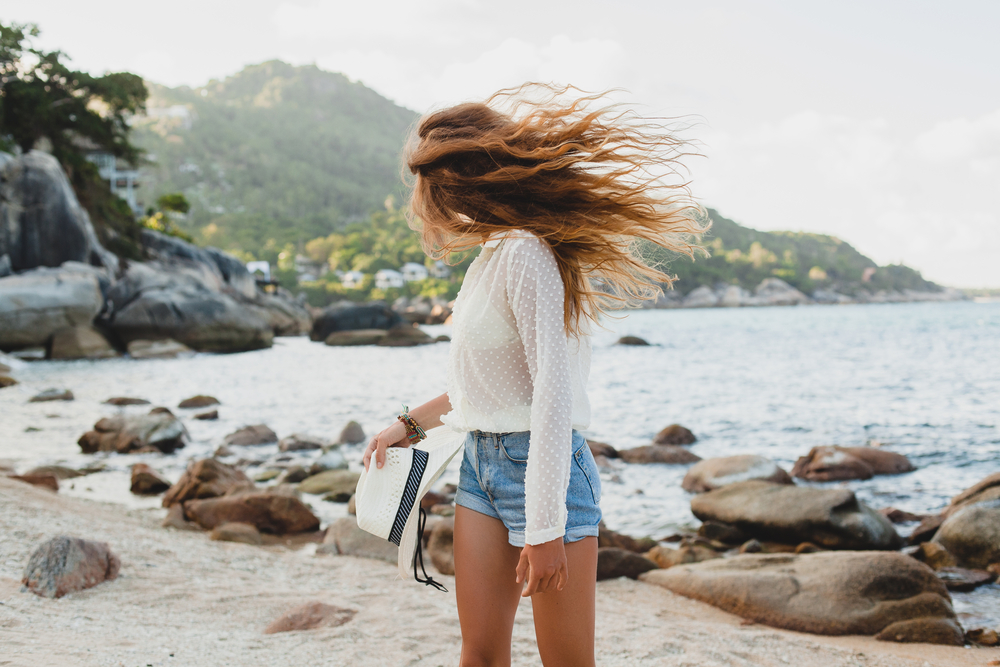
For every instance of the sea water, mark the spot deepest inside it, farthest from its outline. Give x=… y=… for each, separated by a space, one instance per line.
x=920 y=379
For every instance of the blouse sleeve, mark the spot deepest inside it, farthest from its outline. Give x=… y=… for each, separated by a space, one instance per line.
x=536 y=292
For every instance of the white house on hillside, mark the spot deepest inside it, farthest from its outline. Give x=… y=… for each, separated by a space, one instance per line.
x=352 y=279
x=387 y=278
x=413 y=271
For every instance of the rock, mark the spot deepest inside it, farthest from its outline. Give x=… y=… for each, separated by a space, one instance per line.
x=722 y=532
x=631 y=340
x=237 y=532
x=828 y=593
x=776 y=292
x=602 y=449
x=440 y=546
x=441 y=509
x=125 y=400
x=613 y=563
x=257 y=434
x=986 y=489
x=207 y=478
x=983 y=637
x=59 y=472
x=675 y=434
x=356 y=337
x=962 y=580
x=658 y=454
x=923 y=631
x=734 y=296
x=751 y=547
x=432 y=498
x=80 y=342
x=831 y=518
x=715 y=473
x=267 y=475
x=159 y=430
x=337 y=482
x=972 y=534
x=934 y=556
x=687 y=553
x=199 y=401
x=37 y=303
x=347 y=316
x=164 y=348
x=269 y=513
x=44 y=481
x=352 y=507
x=7 y=381
x=309 y=616
x=345 y=538
x=299 y=442
x=182 y=300
x=826 y=464
x=405 y=336
x=146 y=481
x=293 y=475
x=352 y=433
x=175 y=519
x=68 y=564
x=52 y=395
x=609 y=538
x=900 y=516
x=41 y=221
x=808 y=548
x=701 y=297
x=926 y=530
x=332 y=459
x=208 y=416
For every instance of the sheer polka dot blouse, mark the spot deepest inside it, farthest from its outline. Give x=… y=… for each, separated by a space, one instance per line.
x=513 y=368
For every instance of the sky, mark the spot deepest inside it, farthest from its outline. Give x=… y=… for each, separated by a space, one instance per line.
x=875 y=121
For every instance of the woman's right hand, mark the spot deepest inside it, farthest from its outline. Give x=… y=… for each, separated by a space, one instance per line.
x=392 y=436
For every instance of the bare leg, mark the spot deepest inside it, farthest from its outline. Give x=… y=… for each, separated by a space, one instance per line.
x=564 y=620
x=486 y=588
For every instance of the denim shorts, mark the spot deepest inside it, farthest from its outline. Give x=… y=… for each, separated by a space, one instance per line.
x=491 y=482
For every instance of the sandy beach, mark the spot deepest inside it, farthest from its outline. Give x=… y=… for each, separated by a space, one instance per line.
x=182 y=599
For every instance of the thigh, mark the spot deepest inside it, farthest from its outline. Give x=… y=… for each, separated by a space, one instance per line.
x=564 y=620
x=485 y=587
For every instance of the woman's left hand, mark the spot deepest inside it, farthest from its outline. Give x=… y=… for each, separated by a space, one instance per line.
x=543 y=567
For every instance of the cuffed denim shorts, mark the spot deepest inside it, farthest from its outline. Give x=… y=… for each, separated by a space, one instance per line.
x=491 y=482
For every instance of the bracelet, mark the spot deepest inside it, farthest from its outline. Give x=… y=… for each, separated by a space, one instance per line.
x=413 y=431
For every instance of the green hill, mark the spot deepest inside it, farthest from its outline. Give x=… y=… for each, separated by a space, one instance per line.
x=272 y=155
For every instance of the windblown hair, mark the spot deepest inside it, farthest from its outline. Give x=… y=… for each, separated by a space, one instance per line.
x=593 y=180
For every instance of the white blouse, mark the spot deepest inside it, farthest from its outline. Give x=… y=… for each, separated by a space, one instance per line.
x=512 y=367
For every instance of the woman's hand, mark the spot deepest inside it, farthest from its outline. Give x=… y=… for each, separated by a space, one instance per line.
x=543 y=566
x=393 y=436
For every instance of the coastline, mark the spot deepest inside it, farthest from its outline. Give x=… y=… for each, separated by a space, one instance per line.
x=182 y=599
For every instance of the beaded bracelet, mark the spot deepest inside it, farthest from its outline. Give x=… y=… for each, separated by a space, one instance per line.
x=413 y=431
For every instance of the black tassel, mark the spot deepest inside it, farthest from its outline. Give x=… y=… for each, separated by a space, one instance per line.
x=418 y=555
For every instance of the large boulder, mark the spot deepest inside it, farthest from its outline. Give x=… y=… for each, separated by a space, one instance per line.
x=675 y=434
x=831 y=463
x=830 y=518
x=776 y=292
x=613 y=563
x=206 y=478
x=267 y=512
x=986 y=489
x=183 y=301
x=146 y=481
x=701 y=297
x=831 y=593
x=347 y=316
x=159 y=430
x=658 y=454
x=712 y=474
x=336 y=482
x=972 y=534
x=255 y=434
x=67 y=564
x=37 y=303
x=80 y=342
x=343 y=537
x=41 y=221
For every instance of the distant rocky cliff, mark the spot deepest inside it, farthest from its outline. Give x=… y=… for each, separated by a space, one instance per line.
x=58 y=283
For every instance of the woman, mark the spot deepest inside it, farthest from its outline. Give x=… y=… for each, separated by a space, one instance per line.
x=561 y=196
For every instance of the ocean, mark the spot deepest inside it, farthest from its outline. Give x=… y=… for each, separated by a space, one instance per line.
x=922 y=379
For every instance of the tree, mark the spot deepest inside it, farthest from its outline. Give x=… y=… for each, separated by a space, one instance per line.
x=41 y=97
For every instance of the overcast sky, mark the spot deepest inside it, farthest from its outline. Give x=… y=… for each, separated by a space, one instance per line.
x=875 y=121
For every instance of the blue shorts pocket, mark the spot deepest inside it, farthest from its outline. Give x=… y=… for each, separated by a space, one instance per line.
x=515 y=446
x=584 y=460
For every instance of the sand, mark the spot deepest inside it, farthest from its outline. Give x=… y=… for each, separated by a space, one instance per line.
x=182 y=599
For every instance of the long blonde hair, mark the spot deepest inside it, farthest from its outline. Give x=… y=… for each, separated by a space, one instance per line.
x=588 y=177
